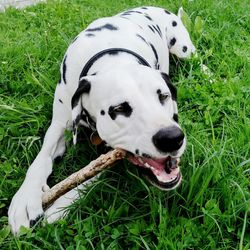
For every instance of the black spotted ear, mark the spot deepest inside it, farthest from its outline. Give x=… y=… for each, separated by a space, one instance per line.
x=180 y=13
x=76 y=104
x=171 y=87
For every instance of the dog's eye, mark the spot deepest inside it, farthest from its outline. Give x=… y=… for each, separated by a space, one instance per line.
x=119 y=109
x=162 y=96
x=122 y=109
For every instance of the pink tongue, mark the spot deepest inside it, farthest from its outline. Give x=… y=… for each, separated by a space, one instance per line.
x=157 y=166
x=156 y=163
x=158 y=169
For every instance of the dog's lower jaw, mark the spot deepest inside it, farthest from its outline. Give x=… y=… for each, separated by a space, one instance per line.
x=163 y=173
x=161 y=185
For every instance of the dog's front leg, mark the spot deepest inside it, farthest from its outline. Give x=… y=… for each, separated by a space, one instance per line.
x=26 y=205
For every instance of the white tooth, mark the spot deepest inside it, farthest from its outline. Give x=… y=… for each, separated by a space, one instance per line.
x=148 y=166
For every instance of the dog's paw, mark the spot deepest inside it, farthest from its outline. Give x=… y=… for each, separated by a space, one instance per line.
x=25 y=208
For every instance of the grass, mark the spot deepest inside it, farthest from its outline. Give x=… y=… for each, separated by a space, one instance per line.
x=121 y=210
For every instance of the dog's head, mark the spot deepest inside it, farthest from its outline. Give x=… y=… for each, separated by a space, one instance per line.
x=179 y=42
x=135 y=109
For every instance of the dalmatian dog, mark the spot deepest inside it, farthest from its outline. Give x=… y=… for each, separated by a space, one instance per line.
x=114 y=80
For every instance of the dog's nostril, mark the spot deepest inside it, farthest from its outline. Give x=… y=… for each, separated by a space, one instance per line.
x=168 y=139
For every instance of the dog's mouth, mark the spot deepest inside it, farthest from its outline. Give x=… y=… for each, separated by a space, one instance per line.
x=163 y=173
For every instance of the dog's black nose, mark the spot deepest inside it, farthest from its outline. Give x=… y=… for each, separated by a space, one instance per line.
x=168 y=139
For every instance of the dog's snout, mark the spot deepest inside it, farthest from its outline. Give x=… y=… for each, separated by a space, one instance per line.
x=168 y=139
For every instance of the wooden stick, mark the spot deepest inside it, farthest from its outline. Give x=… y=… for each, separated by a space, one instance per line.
x=92 y=169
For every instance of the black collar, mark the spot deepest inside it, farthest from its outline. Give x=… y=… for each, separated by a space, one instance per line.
x=111 y=51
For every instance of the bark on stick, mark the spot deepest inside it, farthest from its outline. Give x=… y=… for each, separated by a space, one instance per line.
x=93 y=168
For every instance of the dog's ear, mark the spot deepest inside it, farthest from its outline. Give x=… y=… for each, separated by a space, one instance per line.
x=171 y=87
x=76 y=104
x=180 y=12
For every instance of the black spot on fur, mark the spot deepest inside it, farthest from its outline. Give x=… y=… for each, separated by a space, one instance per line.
x=155 y=52
x=136 y=11
x=129 y=12
x=157 y=29
x=137 y=151
x=142 y=38
x=89 y=35
x=176 y=118
x=102 y=112
x=171 y=87
x=83 y=87
x=174 y=23
x=148 y=17
x=167 y=12
x=184 y=49
x=146 y=155
x=173 y=41
x=78 y=119
x=74 y=128
x=75 y=39
x=144 y=8
x=156 y=64
x=60 y=101
x=107 y=26
x=64 y=69
x=86 y=117
x=126 y=14
x=151 y=28
x=121 y=109
x=83 y=117
x=60 y=80
x=87 y=120
x=124 y=17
